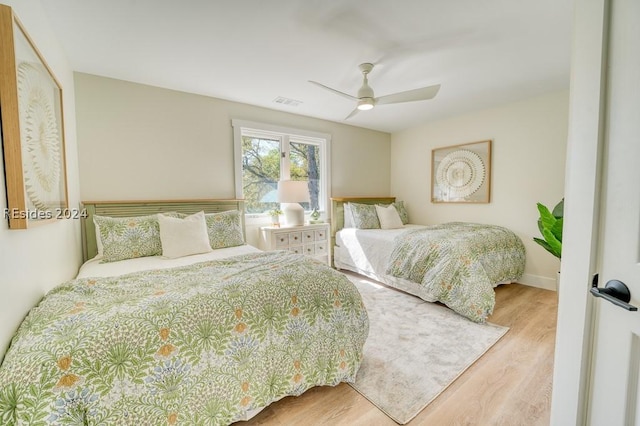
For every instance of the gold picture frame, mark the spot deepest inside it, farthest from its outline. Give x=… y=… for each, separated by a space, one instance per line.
x=32 y=130
x=461 y=173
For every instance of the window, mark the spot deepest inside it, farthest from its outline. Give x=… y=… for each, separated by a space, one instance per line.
x=265 y=154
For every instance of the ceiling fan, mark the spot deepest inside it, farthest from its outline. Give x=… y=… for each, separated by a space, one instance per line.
x=366 y=99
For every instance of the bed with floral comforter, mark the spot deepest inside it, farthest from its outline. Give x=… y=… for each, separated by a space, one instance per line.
x=458 y=264
x=200 y=344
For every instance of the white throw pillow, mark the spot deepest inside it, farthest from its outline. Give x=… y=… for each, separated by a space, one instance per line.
x=388 y=217
x=183 y=236
x=348 y=216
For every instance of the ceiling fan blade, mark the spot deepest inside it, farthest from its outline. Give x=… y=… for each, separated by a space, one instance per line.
x=337 y=92
x=354 y=112
x=421 y=94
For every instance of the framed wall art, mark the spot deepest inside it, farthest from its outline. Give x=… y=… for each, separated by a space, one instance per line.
x=32 y=129
x=461 y=173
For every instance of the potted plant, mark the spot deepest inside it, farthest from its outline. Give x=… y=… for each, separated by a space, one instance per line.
x=275 y=216
x=550 y=226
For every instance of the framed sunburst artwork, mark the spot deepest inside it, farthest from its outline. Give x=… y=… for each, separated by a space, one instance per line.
x=461 y=173
x=32 y=129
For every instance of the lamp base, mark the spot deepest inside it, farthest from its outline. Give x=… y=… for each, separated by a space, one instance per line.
x=293 y=214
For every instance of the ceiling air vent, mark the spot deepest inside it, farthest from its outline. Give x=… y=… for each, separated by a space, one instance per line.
x=286 y=101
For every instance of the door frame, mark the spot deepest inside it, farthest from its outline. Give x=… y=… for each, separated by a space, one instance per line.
x=583 y=177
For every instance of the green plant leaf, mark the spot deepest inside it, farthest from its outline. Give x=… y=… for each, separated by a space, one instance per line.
x=558 y=210
x=550 y=227
x=557 y=229
x=544 y=244
x=548 y=220
x=556 y=246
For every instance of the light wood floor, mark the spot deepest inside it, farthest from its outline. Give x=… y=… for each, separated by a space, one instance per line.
x=509 y=385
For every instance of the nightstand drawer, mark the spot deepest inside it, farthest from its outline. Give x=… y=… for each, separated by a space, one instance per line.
x=320 y=248
x=309 y=249
x=308 y=236
x=282 y=239
x=320 y=235
x=297 y=249
x=295 y=238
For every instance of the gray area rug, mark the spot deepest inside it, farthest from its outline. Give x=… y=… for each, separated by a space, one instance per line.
x=415 y=349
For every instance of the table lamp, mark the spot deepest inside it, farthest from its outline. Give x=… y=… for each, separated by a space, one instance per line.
x=290 y=194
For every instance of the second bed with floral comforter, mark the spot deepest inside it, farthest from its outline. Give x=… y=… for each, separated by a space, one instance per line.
x=458 y=263
x=201 y=344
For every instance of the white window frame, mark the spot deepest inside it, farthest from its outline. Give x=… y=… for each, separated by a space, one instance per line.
x=285 y=135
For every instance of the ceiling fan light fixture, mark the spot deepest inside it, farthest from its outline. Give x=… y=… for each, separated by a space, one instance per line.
x=366 y=99
x=365 y=104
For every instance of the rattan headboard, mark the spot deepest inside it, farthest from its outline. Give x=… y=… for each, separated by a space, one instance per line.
x=142 y=208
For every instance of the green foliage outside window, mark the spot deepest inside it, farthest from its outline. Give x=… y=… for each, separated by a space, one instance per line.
x=261 y=170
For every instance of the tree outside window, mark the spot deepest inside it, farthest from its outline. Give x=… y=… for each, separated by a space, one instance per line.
x=267 y=157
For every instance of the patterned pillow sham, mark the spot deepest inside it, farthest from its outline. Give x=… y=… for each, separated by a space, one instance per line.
x=98 y=240
x=224 y=229
x=128 y=237
x=402 y=211
x=364 y=216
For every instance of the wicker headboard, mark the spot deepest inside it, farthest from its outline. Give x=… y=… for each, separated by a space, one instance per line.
x=337 y=210
x=142 y=208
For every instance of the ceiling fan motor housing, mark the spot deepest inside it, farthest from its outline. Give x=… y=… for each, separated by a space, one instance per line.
x=365 y=90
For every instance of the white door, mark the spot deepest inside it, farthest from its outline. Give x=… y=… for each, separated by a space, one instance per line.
x=616 y=350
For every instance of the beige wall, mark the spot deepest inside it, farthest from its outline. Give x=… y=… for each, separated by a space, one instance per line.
x=33 y=261
x=144 y=142
x=529 y=143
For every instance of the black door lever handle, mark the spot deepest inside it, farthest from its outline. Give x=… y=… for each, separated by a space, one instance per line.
x=615 y=292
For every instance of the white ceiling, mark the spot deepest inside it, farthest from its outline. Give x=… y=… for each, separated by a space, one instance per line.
x=482 y=52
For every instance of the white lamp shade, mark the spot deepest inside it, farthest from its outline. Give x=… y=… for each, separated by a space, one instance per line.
x=290 y=193
x=293 y=191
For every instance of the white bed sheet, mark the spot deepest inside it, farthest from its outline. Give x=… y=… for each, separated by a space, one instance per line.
x=367 y=252
x=370 y=249
x=93 y=267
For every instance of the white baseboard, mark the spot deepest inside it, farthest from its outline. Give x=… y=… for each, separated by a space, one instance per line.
x=538 y=281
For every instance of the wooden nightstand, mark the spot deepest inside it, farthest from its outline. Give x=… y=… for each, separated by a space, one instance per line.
x=311 y=240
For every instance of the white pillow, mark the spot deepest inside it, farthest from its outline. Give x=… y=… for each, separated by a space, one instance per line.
x=348 y=216
x=183 y=236
x=388 y=217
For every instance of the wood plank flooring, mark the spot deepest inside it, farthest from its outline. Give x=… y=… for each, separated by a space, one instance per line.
x=509 y=385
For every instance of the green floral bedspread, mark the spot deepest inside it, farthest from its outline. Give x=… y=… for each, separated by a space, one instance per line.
x=458 y=263
x=201 y=344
